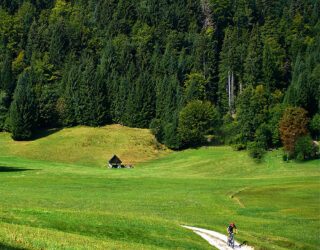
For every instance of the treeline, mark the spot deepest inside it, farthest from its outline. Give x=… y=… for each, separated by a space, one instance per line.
x=186 y=68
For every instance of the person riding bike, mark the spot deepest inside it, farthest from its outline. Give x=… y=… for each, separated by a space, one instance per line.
x=232 y=229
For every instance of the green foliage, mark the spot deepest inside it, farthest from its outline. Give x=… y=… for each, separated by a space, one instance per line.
x=7 y=83
x=131 y=62
x=272 y=63
x=304 y=90
x=196 y=120
x=315 y=126
x=275 y=113
x=195 y=87
x=304 y=149
x=252 y=111
x=229 y=129
x=47 y=107
x=256 y=150
x=3 y=109
x=23 y=113
x=253 y=61
x=172 y=137
x=157 y=129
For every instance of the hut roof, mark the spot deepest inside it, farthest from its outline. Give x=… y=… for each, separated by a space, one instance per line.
x=115 y=160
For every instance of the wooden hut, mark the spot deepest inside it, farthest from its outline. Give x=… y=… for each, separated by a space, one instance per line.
x=115 y=162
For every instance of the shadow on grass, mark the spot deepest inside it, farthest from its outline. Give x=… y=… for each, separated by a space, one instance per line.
x=6 y=247
x=13 y=169
x=44 y=133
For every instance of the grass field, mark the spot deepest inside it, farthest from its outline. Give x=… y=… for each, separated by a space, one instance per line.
x=55 y=194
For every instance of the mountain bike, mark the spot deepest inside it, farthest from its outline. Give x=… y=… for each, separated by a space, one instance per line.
x=231 y=240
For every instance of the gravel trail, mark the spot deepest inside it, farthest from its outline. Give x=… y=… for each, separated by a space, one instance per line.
x=217 y=240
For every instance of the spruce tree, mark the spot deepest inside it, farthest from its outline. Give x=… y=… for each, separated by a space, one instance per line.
x=7 y=81
x=23 y=108
x=3 y=108
x=253 y=61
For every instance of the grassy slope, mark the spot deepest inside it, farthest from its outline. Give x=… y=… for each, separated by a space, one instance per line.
x=88 y=146
x=275 y=204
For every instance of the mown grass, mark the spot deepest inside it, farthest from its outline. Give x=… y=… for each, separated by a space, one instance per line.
x=55 y=205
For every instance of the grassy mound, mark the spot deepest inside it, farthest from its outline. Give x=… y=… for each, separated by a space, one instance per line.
x=87 y=146
x=47 y=204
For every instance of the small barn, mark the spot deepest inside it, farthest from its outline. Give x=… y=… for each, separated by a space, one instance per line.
x=115 y=162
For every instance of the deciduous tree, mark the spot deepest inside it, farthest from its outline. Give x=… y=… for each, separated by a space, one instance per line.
x=293 y=125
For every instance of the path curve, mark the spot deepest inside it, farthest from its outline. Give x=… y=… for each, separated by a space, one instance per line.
x=217 y=240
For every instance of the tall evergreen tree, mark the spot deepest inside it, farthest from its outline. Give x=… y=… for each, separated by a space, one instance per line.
x=3 y=109
x=23 y=108
x=304 y=90
x=7 y=81
x=253 y=61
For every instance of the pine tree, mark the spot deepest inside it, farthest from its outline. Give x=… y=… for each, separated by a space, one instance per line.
x=23 y=108
x=253 y=61
x=7 y=82
x=90 y=96
x=58 y=42
x=273 y=64
x=304 y=90
x=3 y=108
x=195 y=87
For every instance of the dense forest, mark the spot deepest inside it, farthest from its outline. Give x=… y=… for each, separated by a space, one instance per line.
x=231 y=71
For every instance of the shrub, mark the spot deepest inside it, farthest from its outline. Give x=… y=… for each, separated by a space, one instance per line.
x=171 y=136
x=305 y=148
x=239 y=146
x=157 y=129
x=256 y=150
x=315 y=126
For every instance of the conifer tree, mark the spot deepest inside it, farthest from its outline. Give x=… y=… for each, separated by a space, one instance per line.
x=23 y=108
x=58 y=42
x=253 y=61
x=273 y=64
x=3 y=108
x=7 y=81
x=304 y=90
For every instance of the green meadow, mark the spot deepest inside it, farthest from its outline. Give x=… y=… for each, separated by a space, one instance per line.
x=56 y=193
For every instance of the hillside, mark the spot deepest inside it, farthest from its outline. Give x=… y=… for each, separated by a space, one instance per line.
x=85 y=207
x=141 y=63
x=158 y=83
x=87 y=146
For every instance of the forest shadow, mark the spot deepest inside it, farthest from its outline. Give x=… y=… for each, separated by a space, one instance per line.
x=12 y=169
x=7 y=247
x=44 y=133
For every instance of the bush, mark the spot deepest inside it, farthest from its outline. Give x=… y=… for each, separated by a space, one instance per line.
x=256 y=150
x=305 y=149
x=230 y=130
x=315 y=126
x=157 y=129
x=239 y=146
x=171 y=136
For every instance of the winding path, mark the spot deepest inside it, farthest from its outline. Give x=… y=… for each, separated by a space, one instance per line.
x=217 y=240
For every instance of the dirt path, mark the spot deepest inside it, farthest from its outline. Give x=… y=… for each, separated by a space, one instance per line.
x=216 y=239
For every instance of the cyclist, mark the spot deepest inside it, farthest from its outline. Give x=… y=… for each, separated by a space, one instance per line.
x=232 y=229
